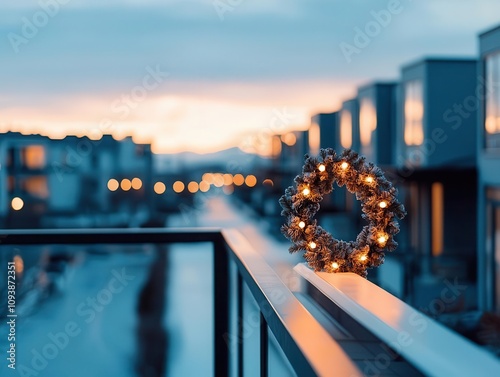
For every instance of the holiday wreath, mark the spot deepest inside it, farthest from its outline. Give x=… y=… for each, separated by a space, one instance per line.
x=379 y=205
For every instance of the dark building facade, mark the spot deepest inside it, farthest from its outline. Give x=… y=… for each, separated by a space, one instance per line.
x=377 y=121
x=435 y=159
x=488 y=160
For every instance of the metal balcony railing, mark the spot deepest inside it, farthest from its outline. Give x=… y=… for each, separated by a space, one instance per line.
x=336 y=326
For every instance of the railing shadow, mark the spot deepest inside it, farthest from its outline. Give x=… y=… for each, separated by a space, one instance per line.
x=152 y=337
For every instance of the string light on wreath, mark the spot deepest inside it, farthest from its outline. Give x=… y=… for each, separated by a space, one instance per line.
x=379 y=204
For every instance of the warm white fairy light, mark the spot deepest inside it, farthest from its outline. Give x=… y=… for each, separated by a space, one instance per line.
x=369 y=179
x=344 y=165
x=382 y=204
x=382 y=239
x=363 y=258
x=312 y=245
x=306 y=191
x=302 y=225
x=321 y=168
x=335 y=265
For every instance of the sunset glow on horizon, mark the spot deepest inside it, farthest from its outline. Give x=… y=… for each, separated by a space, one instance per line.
x=170 y=123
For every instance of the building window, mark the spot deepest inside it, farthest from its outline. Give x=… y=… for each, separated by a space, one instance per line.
x=33 y=157
x=493 y=243
x=11 y=184
x=367 y=121
x=496 y=250
x=314 y=139
x=492 y=119
x=413 y=113
x=437 y=192
x=36 y=186
x=346 y=129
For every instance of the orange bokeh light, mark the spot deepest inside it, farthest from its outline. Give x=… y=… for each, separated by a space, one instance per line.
x=238 y=179
x=136 y=183
x=113 y=184
x=159 y=188
x=193 y=187
x=251 y=180
x=178 y=187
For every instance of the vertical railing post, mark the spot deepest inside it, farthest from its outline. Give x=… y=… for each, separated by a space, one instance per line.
x=239 y=314
x=263 y=346
x=221 y=309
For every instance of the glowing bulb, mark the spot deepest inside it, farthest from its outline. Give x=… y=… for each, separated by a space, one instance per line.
x=159 y=188
x=204 y=186
x=335 y=265
x=344 y=165
x=382 y=204
x=362 y=258
x=251 y=180
x=136 y=183
x=208 y=177
x=302 y=225
x=178 y=186
x=126 y=184
x=382 y=239
x=17 y=203
x=113 y=185
x=193 y=187
x=306 y=191
x=238 y=180
x=19 y=264
x=321 y=168
x=268 y=182
x=312 y=245
x=369 y=179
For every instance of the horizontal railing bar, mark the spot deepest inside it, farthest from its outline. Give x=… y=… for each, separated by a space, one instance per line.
x=429 y=346
x=109 y=236
x=308 y=346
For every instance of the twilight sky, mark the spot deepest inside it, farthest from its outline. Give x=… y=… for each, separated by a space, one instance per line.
x=204 y=75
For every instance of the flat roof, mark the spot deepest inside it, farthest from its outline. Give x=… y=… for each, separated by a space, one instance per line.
x=376 y=83
x=437 y=59
x=491 y=30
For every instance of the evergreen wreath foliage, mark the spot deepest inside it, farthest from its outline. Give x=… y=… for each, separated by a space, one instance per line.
x=379 y=204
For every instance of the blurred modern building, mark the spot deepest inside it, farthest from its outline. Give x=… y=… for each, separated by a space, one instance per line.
x=418 y=130
x=437 y=163
x=487 y=100
x=72 y=182
x=377 y=122
x=24 y=177
x=322 y=131
x=349 y=126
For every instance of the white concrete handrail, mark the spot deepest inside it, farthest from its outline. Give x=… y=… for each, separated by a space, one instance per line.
x=429 y=346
